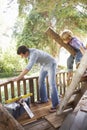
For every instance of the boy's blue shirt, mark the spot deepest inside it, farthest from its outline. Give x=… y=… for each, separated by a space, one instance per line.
x=76 y=43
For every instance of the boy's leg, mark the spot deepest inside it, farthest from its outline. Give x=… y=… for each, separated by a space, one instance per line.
x=70 y=62
x=78 y=58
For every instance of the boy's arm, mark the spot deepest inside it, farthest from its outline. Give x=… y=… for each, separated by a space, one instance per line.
x=82 y=50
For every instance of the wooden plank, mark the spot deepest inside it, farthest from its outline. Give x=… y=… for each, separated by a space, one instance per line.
x=78 y=121
x=6 y=92
x=24 y=85
x=74 y=84
x=37 y=88
x=31 y=89
x=41 y=124
x=50 y=32
x=80 y=94
x=12 y=89
x=56 y=120
x=64 y=83
x=67 y=122
x=18 y=88
x=82 y=104
x=39 y=110
x=75 y=121
x=0 y=95
x=84 y=109
x=84 y=127
x=84 y=78
x=7 y=122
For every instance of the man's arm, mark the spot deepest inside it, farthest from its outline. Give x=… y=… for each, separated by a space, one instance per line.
x=24 y=72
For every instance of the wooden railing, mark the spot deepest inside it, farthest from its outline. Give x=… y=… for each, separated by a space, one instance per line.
x=10 y=89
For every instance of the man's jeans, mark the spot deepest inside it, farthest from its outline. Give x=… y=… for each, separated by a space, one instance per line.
x=50 y=71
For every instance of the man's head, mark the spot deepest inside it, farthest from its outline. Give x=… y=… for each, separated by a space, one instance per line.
x=23 y=51
x=66 y=36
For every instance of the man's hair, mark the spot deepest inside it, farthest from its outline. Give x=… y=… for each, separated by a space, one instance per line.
x=22 y=49
x=66 y=34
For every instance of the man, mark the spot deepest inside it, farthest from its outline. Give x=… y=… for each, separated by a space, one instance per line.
x=48 y=66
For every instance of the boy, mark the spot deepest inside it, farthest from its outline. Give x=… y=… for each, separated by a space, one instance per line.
x=68 y=38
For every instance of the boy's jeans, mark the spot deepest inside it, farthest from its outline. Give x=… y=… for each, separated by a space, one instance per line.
x=70 y=60
x=50 y=70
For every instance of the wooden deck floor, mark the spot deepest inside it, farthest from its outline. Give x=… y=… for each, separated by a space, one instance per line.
x=41 y=124
x=44 y=124
x=38 y=122
x=39 y=110
x=41 y=119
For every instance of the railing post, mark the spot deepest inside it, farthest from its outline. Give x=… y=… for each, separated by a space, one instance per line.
x=12 y=89
x=24 y=85
x=6 y=92
x=31 y=89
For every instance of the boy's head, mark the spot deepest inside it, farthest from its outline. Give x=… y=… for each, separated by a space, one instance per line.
x=66 y=36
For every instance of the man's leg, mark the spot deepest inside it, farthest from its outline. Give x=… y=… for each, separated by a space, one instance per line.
x=42 y=85
x=53 y=87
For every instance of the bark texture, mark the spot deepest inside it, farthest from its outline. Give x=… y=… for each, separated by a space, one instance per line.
x=75 y=81
x=50 y=32
x=7 y=121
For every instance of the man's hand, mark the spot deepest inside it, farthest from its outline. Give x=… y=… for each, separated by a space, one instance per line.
x=16 y=78
x=21 y=76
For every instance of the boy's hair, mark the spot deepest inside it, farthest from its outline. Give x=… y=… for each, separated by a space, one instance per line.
x=22 y=49
x=66 y=35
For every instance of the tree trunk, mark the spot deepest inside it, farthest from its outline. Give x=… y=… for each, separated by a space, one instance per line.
x=7 y=122
x=75 y=81
x=57 y=38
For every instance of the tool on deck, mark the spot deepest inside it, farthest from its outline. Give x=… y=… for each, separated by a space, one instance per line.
x=20 y=100
x=27 y=109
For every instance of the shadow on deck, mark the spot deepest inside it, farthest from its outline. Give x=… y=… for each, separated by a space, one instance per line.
x=38 y=121
x=39 y=111
x=43 y=120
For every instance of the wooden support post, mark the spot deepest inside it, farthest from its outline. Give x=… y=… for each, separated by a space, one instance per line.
x=50 y=32
x=80 y=94
x=7 y=122
x=75 y=81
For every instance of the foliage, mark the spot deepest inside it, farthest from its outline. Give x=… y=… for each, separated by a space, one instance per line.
x=68 y=14
x=32 y=23
x=9 y=63
x=33 y=34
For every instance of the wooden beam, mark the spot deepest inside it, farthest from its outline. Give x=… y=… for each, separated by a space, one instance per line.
x=50 y=32
x=75 y=81
x=80 y=94
x=7 y=121
x=55 y=120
